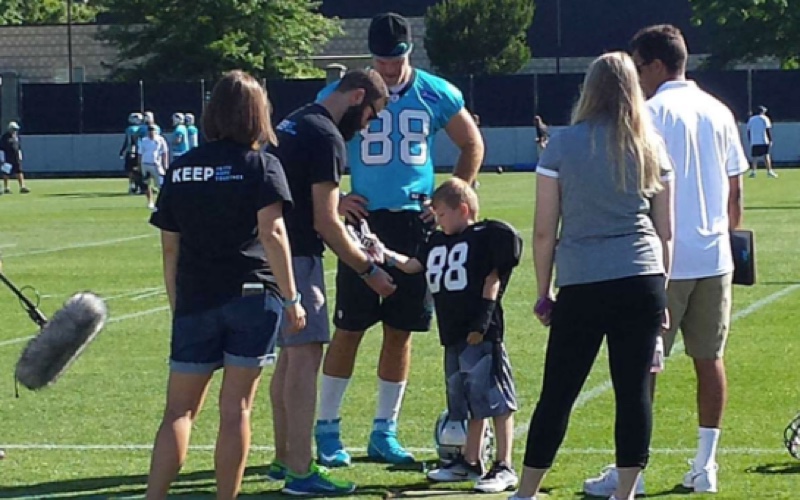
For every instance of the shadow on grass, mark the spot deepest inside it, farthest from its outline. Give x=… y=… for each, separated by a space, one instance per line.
x=87 y=195
x=198 y=485
x=775 y=469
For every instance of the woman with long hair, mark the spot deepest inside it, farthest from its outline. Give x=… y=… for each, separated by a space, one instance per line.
x=606 y=179
x=228 y=275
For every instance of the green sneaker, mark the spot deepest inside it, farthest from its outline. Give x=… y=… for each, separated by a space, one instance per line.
x=276 y=471
x=317 y=481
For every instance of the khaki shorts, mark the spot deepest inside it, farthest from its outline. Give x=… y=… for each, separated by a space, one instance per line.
x=310 y=278
x=701 y=308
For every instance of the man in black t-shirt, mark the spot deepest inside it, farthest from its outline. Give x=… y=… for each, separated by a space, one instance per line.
x=311 y=148
x=11 y=158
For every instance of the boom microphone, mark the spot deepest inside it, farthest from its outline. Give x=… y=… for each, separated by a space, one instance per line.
x=61 y=340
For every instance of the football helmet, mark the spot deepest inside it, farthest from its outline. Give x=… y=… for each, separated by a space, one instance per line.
x=149 y=118
x=188 y=118
x=791 y=437
x=135 y=118
x=177 y=119
x=450 y=437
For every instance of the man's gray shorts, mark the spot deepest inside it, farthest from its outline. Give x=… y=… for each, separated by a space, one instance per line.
x=479 y=381
x=310 y=278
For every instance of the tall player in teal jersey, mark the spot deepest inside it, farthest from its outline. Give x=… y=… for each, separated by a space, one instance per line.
x=180 y=136
x=391 y=164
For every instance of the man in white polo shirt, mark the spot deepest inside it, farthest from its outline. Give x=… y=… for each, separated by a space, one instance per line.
x=703 y=142
x=759 y=133
x=155 y=159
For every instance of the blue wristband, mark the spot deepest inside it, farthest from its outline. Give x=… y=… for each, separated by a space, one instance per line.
x=369 y=272
x=290 y=302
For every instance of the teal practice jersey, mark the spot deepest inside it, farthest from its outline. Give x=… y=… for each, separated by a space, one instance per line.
x=183 y=146
x=391 y=162
x=191 y=131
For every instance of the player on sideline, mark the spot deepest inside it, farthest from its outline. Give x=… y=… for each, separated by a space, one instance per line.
x=129 y=152
x=180 y=137
x=392 y=175
x=191 y=130
x=759 y=133
x=467 y=266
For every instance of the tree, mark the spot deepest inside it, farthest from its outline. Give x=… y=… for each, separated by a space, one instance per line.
x=16 y=12
x=478 y=37
x=180 y=40
x=745 y=30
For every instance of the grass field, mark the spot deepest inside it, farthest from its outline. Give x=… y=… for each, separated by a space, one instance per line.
x=89 y=436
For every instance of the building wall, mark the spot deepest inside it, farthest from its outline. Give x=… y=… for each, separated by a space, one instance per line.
x=510 y=147
x=39 y=53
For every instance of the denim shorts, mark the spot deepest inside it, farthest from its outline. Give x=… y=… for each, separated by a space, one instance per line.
x=310 y=278
x=241 y=333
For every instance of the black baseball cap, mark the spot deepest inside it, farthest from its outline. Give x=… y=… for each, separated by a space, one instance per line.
x=389 y=35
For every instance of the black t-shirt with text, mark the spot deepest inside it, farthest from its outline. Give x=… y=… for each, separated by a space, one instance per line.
x=312 y=151
x=456 y=267
x=9 y=144
x=211 y=196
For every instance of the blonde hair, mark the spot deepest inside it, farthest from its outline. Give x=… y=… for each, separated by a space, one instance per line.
x=453 y=192
x=611 y=94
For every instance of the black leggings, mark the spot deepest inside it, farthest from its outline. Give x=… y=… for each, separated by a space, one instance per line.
x=629 y=311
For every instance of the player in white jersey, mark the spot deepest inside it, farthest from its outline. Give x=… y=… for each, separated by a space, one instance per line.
x=155 y=159
x=759 y=133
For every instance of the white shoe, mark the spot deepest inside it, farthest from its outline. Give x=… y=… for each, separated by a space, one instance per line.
x=772 y=174
x=702 y=480
x=151 y=206
x=605 y=484
x=456 y=471
x=500 y=478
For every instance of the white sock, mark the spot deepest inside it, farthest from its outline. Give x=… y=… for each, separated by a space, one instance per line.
x=331 y=395
x=390 y=397
x=706 y=448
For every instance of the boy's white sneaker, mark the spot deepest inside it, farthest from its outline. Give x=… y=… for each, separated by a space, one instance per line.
x=605 y=484
x=702 y=480
x=456 y=471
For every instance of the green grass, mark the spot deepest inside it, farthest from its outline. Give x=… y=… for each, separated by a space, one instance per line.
x=113 y=396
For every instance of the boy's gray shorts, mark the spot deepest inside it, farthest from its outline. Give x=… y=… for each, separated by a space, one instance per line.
x=479 y=381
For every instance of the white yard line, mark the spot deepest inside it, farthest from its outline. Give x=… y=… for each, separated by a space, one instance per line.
x=8 y=245
x=115 y=319
x=130 y=293
x=595 y=392
x=149 y=294
x=76 y=246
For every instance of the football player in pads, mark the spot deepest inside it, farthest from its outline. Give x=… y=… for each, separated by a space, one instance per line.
x=392 y=173
x=467 y=265
x=311 y=148
x=191 y=130
x=129 y=152
x=180 y=136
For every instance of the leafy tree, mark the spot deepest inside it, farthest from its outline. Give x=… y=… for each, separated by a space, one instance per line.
x=15 y=12
x=744 y=30
x=478 y=36
x=180 y=40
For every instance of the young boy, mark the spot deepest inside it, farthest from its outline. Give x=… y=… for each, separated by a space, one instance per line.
x=468 y=265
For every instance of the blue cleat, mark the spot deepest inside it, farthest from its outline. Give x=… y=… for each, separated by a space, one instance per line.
x=330 y=450
x=277 y=471
x=317 y=482
x=384 y=446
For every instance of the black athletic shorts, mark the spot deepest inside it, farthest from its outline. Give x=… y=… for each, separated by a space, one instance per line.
x=131 y=161
x=759 y=150
x=410 y=307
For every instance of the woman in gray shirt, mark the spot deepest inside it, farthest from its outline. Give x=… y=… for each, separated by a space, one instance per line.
x=607 y=180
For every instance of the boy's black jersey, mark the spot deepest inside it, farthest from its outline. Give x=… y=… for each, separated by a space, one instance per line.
x=456 y=267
